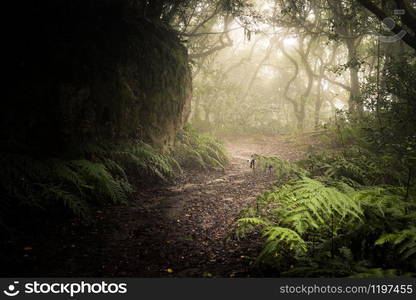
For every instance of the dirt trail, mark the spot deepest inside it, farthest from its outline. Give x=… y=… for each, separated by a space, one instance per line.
x=183 y=230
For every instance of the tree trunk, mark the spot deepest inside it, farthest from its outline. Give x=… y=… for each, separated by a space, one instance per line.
x=318 y=101
x=300 y=116
x=206 y=115
x=354 y=102
x=197 y=113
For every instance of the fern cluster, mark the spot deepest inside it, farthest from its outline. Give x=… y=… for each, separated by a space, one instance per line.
x=142 y=160
x=94 y=175
x=343 y=220
x=283 y=169
x=34 y=184
x=355 y=166
x=197 y=150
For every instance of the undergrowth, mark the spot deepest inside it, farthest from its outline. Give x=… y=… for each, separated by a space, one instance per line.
x=283 y=169
x=198 y=150
x=93 y=175
x=337 y=214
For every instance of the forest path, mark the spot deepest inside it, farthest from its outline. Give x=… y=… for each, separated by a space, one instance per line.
x=184 y=230
x=180 y=230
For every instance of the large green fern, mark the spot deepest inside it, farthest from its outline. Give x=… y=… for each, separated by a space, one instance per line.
x=278 y=238
x=309 y=204
x=291 y=215
x=340 y=221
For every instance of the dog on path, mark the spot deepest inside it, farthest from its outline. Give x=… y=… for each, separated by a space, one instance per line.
x=254 y=160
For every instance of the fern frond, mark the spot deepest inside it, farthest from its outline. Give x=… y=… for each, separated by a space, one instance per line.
x=316 y=205
x=245 y=225
x=280 y=238
x=102 y=181
x=197 y=150
x=404 y=240
x=282 y=168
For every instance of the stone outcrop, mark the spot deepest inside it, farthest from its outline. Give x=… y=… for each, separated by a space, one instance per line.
x=91 y=71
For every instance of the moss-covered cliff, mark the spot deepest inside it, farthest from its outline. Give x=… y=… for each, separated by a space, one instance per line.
x=87 y=71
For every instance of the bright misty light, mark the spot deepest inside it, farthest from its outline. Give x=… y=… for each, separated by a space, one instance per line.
x=325 y=85
x=263 y=44
x=268 y=72
x=290 y=41
x=268 y=6
x=311 y=17
x=339 y=104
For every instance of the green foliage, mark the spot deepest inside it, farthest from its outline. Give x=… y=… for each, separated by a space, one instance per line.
x=197 y=150
x=283 y=169
x=389 y=128
x=298 y=210
x=311 y=205
x=29 y=183
x=248 y=224
x=355 y=166
x=278 y=238
x=386 y=201
x=344 y=224
x=355 y=206
x=403 y=240
x=141 y=159
x=96 y=175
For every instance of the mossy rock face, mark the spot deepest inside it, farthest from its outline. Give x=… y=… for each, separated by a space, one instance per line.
x=85 y=71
